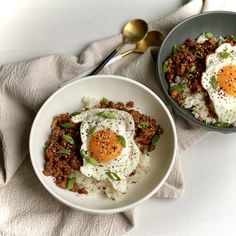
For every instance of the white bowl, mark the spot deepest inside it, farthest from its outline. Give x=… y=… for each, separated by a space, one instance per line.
x=116 y=88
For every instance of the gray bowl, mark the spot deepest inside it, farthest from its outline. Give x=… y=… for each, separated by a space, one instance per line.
x=219 y=23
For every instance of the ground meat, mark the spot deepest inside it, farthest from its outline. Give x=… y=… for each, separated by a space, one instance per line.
x=188 y=63
x=59 y=164
x=62 y=157
x=143 y=135
x=177 y=96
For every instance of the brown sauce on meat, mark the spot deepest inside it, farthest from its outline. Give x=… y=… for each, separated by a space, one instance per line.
x=59 y=164
x=62 y=158
x=143 y=135
x=188 y=63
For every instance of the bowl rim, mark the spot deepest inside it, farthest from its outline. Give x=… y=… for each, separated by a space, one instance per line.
x=119 y=209
x=174 y=104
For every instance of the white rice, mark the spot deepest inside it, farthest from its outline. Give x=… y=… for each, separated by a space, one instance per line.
x=95 y=187
x=196 y=103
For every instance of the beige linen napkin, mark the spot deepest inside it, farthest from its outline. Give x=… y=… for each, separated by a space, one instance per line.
x=26 y=207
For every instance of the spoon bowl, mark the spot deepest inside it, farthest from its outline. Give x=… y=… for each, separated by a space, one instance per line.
x=152 y=39
x=133 y=32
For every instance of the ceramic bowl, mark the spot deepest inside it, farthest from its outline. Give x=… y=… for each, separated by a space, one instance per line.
x=220 y=23
x=69 y=99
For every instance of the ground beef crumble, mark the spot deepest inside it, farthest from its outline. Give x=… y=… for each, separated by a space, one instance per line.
x=58 y=164
x=188 y=62
x=143 y=135
x=62 y=158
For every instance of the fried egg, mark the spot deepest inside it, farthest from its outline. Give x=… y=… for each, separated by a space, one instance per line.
x=219 y=80
x=108 y=148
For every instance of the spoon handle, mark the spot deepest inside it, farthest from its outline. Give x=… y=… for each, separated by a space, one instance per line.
x=103 y=63
x=114 y=59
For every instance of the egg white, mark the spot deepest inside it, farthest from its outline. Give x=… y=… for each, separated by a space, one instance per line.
x=225 y=105
x=130 y=156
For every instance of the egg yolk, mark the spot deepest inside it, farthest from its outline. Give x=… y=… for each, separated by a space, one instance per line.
x=104 y=145
x=227 y=79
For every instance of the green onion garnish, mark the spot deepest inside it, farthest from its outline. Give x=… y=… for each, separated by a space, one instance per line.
x=219 y=41
x=222 y=124
x=178 y=87
x=74 y=113
x=175 y=49
x=45 y=148
x=87 y=158
x=113 y=176
x=67 y=125
x=105 y=100
x=198 y=54
x=145 y=151
x=224 y=54
x=209 y=35
x=193 y=68
x=122 y=140
x=234 y=39
x=64 y=152
x=143 y=124
x=190 y=76
x=155 y=139
x=68 y=139
x=71 y=183
x=165 y=66
x=91 y=130
x=107 y=115
x=213 y=82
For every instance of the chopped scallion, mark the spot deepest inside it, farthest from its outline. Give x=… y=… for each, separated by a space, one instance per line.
x=68 y=139
x=71 y=183
x=45 y=148
x=198 y=54
x=91 y=130
x=105 y=100
x=143 y=124
x=219 y=41
x=190 y=76
x=165 y=66
x=155 y=139
x=193 y=68
x=178 y=87
x=222 y=124
x=224 y=54
x=122 y=140
x=213 y=82
x=64 y=152
x=87 y=158
x=67 y=125
x=113 y=176
x=209 y=35
x=145 y=151
x=175 y=49
x=107 y=115
x=74 y=113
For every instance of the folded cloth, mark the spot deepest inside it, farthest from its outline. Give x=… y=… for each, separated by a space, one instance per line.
x=26 y=207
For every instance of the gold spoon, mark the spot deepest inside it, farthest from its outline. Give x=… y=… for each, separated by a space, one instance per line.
x=153 y=39
x=133 y=32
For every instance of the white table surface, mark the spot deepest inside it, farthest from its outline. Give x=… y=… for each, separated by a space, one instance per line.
x=31 y=28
